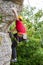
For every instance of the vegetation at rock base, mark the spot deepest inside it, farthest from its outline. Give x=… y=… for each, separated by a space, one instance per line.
x=30 y=52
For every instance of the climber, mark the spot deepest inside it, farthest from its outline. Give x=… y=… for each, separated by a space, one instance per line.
x=19 y=36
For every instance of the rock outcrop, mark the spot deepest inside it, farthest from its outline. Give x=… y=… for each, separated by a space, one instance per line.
x=5 y=41
x=5 y=49
x=6 y=8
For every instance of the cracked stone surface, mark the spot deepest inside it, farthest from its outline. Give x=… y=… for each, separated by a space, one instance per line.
x=6 y=9
x=5 y=41
x=5 y=49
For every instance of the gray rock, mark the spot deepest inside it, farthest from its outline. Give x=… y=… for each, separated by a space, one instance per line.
x=5 y=49
x=6 y=10
x=5 y=42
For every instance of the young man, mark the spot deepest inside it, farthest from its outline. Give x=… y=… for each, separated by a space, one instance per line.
x=19 y=36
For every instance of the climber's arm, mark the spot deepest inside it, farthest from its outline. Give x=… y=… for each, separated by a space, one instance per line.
x=15 y=12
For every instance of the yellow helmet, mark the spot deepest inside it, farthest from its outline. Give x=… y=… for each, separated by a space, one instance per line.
x=20 y=17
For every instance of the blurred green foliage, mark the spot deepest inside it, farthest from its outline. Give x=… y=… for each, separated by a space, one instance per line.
x=0 y=18
x=31 y=52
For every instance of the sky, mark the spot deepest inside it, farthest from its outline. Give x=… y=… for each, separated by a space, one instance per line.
x=34 y=3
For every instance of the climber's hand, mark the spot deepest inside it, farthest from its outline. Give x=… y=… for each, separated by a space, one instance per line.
x=14 y=10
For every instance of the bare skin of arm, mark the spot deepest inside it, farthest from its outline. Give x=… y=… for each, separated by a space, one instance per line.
x=15 y=12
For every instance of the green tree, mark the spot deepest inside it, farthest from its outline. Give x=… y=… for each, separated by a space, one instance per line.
x=31 y=52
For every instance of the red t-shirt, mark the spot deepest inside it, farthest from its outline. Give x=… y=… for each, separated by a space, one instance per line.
x=20 y=27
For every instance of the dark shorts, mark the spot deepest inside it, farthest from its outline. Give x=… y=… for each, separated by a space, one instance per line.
x=14 y=42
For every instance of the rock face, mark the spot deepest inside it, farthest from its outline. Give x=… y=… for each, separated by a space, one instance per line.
x=5 y=8
x=5 y=41
x=20 y=2
x=5 y=49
